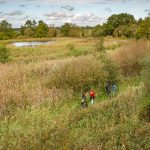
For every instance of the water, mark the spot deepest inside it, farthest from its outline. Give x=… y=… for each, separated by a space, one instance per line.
x=32 y=44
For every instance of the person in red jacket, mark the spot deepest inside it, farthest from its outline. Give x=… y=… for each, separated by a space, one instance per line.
x=92 y=96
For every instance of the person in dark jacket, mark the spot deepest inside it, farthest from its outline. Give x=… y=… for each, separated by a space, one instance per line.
x=84 y=102
x=108 y=89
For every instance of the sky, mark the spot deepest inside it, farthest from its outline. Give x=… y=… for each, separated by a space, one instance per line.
x=80 y=12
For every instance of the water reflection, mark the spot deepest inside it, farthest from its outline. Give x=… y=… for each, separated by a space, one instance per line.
x=32 y=44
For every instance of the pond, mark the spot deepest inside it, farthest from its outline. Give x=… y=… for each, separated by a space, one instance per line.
x=32 y=44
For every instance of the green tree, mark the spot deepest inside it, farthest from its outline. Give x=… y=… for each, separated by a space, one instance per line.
x=98 y=31
x=144 y=29
x=29 y=28
x=4 y=54
x=117 y=20
x=65 y=29
x=6 y=31
x=42 y=29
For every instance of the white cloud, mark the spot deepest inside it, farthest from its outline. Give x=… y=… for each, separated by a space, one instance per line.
x=58 y=15
x=15 y=13
x=84 y=19
x=68 y=7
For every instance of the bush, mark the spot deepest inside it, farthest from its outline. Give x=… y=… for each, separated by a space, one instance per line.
x=100 y=45
x=146 y=74
x=129 y=57
x=4 y=54
x=70 y=46
x=145 y=109
x=79 y=74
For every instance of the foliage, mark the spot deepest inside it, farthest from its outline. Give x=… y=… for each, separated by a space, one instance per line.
x=144 y=30
x=42 y=29
x=120 y=19
x=131 y=64
x=70 y=30
x=98 y=31
x=52 y=32
x=100 y=45
x=144 y=113
x=146 y=74
x=70 y=46
x=29 y=28
x=75 y=31
x=40 y=97
x=111 y=124
x=65 y=29
x=6 y=31
x=4 y=54
x=81 y=73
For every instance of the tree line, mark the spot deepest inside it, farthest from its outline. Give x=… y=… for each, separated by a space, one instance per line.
x=117 y=25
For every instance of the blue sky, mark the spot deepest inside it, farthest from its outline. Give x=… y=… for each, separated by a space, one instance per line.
x=80 y=12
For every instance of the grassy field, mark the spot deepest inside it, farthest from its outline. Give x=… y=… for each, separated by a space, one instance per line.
x=40 y=95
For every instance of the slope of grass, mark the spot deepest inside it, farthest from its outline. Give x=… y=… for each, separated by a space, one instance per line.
x=40 y=95
x=111 y=124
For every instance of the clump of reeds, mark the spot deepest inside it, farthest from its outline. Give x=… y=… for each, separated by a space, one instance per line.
x=129 y=57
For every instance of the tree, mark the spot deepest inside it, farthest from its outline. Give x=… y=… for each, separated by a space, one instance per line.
x=98 y=31
x=108 y=29
x=144 y=29
x=42 y=29
x=117 y=20
x=65 y=29
x=121 y=19
x=6 y=31
x=52 y=32
x=29 y=28
x=75 y=31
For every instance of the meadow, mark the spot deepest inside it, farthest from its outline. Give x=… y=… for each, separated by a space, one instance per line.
x=41 y=87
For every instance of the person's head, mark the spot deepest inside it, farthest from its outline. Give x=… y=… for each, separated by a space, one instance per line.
x=84 y=93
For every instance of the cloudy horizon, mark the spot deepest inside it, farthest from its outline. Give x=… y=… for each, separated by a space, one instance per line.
x=80 y=12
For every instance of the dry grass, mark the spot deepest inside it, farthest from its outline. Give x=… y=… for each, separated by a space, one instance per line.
x=80 y=74
x=129 y=57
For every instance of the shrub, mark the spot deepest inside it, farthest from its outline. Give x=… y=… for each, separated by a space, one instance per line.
x=70 y=46
x=4 y=54
x=129 y=57
x=79 y=74
x=100 y=45
x=146 y=74
x=145 y=109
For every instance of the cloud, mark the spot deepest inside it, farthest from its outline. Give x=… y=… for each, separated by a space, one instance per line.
x=2 y=1
x=58 y=15
x=87 y=18
x=37 y=6
x=68 y=7
x=22 y=5
x=147 y=11
x=15 y=13
x=84 y=19
x=109 y=10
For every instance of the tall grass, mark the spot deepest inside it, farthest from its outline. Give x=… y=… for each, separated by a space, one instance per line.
x=40 y=99
x=129 y=57
x=80 y=74
x=111 y=124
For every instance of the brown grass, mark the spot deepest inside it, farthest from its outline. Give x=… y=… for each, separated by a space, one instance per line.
x=129 y=57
